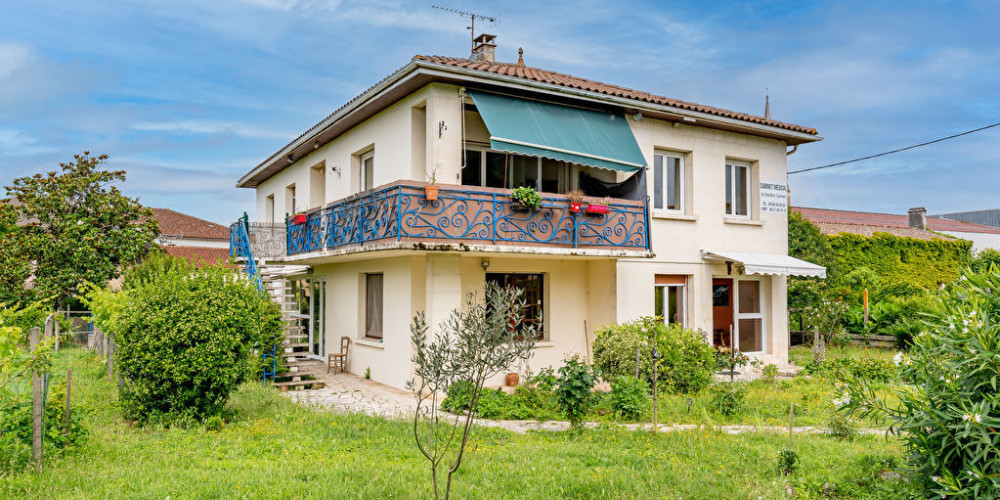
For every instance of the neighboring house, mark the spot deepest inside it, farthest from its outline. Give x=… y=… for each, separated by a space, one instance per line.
x=695 y=231
x=197 y=240
x=915 y=224
x=982 y=217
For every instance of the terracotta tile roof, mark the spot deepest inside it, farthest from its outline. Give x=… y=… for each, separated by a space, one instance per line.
x=551 y=77
x=200 y=255
x=940 y=224
x=177 y=225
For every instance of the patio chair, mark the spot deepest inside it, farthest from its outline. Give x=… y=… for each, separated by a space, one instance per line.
x=338 y=360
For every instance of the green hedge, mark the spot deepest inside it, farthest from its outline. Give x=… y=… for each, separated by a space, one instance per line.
x=925 y=264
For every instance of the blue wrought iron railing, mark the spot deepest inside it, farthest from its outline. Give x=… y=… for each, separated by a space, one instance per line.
x=401 y=211
x=239 y=246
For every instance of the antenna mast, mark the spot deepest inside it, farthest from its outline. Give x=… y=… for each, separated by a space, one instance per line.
x=472 y=18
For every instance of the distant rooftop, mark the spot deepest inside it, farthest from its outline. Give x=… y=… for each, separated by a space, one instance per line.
x=868 y=223
x=989 y=217
x=174 y=224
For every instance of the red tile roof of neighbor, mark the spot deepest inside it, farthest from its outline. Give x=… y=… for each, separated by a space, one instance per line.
x=867 y=223
x=200 y=255
x=177 y=225
x=551 y=77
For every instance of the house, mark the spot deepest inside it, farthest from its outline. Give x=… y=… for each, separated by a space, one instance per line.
x=191 y=238
x=915 y=224
x=399 y=202
x=980 y=240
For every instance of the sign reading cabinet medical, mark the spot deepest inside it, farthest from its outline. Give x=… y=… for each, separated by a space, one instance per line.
x=773 y=198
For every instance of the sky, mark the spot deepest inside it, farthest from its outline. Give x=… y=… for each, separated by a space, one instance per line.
x=187 y=96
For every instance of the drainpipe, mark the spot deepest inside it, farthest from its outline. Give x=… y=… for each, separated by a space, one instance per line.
x=792 y=151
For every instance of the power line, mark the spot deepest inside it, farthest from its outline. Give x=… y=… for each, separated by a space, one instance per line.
x=839 y=163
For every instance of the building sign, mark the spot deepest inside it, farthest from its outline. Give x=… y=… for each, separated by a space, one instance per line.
x=773 y=198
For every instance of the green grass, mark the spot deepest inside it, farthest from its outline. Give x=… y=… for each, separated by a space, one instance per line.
x=274 y=449
x=802 y=355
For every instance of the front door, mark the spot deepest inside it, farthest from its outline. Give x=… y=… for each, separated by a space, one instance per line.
x=317 y=326
x=722 y=312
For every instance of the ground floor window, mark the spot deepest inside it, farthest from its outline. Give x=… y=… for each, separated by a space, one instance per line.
x=532 y=292
x=670 y=299
x=373 y=306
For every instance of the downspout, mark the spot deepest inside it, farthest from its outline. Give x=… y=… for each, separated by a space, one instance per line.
x=792 y=151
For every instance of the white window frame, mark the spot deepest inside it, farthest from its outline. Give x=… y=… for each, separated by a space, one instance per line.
x=484 y=150
x=762 y=316
x=730 y=170
x=364 y=171
x=663 y=186
x=666 y=299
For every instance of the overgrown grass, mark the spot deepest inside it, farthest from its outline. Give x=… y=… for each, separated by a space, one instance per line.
x=272 y=448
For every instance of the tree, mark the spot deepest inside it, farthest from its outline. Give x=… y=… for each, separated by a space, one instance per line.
x=475 y=343
x=76 y=226
x=15 y=266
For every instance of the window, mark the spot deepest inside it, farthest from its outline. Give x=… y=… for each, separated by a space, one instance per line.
x=367 y=171
x=668 y=182
x=290 y=205
x=669 y=299
x=269 y=208
x=317 y=185
x=373 y=306
x=750 y=316
x=737 y=188
x=531 y=292
x=502 y=170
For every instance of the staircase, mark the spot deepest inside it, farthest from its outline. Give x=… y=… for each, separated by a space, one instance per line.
x=296 y=370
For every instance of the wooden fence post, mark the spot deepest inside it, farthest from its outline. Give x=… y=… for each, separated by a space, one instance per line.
x=111 y=356
x=69 y=386
x=36 y=405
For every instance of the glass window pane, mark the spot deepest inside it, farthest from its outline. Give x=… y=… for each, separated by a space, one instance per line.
x=472 y=173
x=496 y=166
x=673 y=183
x=523 y=171
x=373 y=305
x=658 y=302
x=369 y=177
x=674 y=306
x=729 y=189
x=751 y=339
x=749 y=297
x=657 y=181
x=741 y=190
x=555 y=175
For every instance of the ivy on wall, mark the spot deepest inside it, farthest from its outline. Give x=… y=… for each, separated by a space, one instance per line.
x=925 y=264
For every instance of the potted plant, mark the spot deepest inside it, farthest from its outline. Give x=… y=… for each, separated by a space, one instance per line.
x=525 y=198
x=512 y=379
x=431 y=189
x=299 y=218
x=575 y=198
x=599 y=206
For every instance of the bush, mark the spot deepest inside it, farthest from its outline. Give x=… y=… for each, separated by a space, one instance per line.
x=948 y=419
x=576 y=379
x=841 y=427
x=687 y=361
x=788 y=461
x=16 y=425
x=727 y=398
x=629 y=397
x=770 y=372
x=874 y=370
x=458 y=397
x=185 y=338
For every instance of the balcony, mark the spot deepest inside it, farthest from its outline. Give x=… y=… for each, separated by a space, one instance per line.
x=466 y=218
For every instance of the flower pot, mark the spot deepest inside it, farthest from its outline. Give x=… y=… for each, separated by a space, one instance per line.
x=431 y=192
x=597 y=209
x=512 y=379
x=517 y=206
x=574 y=207
x=299 y=219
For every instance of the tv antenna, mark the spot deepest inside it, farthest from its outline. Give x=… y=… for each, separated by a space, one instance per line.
x=493 y=20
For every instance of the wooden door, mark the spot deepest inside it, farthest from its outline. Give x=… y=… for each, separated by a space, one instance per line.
x=722 y=311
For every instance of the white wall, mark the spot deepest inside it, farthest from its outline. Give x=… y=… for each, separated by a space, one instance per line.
x=980 y=241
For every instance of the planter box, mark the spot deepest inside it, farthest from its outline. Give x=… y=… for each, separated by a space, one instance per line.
x=299 y=219
x=597 y=209
x=575 y=207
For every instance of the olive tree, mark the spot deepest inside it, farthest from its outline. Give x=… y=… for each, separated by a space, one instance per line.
x=475 y=343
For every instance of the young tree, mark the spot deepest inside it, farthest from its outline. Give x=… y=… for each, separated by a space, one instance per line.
x=475 y=343
x=76 y=226
x=15 y=266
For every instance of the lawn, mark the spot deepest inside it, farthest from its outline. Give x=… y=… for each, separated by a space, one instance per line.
x=274 y=449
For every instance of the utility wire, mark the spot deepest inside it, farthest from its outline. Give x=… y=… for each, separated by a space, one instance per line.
x=839 y=163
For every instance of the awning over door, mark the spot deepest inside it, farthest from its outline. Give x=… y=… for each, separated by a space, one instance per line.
x=575 y=135
x=768 y=263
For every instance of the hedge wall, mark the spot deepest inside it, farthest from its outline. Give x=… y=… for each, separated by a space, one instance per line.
x=901 y=260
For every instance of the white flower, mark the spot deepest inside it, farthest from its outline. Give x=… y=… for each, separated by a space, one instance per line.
x=843 y=400
x=79 y=223
x=935 y=479
x=897 y=359
x=977 y=418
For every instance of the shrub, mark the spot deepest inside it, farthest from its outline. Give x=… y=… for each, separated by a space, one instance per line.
x=185 y=338
x=576 y=379
x=788 y=461
x=458 y=397
x=16 y=425
x=629 y=397
x=874 y=370
x=947 y=416
x=687 y=361
x=841 y=427
x=770 y=372
x=728 y=398
x=545 y=379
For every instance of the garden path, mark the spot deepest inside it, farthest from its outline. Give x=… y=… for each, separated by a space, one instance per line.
x=347 y=393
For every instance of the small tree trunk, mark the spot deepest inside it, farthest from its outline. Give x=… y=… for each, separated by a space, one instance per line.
x=819 y=346
x=69 y=386
x=37 y=406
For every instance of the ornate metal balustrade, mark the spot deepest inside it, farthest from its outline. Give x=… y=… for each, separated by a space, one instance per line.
x=239 y=246
x=464 y=214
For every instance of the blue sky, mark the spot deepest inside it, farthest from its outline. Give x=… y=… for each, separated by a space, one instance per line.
x=188 y=95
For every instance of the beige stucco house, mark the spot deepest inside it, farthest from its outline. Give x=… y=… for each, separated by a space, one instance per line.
x=694 y=230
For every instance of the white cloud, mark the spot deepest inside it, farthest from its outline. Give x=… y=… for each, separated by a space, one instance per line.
x=17 y=143
x=199 y=127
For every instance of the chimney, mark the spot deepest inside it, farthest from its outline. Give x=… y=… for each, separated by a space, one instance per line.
x=484 y=48
x=918 y=218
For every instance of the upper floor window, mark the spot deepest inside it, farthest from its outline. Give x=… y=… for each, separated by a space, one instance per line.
x=668 y=182
x=367 y=171
x=291 y=206
x=738 y=188
x=502 y=170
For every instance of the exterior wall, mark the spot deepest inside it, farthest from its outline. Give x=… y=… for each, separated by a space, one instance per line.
x=980 y=241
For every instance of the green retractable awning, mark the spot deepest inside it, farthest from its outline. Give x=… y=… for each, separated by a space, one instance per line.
x=573 y=135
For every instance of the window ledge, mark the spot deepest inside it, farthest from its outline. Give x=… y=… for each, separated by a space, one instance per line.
x=544 y=344
x=377 y=344
x=743 y=222
x=675 y=216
